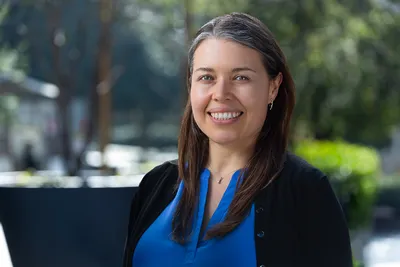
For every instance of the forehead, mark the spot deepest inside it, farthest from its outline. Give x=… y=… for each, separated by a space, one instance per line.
x=222 y=53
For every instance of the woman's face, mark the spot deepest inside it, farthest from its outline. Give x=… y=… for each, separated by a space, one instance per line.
x=230 y=91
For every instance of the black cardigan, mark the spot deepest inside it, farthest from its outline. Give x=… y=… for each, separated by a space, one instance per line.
x=299 y=221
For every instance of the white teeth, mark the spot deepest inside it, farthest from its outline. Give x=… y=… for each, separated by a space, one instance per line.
x=225 y=115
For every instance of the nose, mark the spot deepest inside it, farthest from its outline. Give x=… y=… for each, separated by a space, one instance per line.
x=221 y=91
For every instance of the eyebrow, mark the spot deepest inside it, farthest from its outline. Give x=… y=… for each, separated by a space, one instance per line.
x=233 y=70
x=205 y=69
x=243 y=69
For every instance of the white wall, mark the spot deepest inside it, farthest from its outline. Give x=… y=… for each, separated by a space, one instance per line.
x=33 y=123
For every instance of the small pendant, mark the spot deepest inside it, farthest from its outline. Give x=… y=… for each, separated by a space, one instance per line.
x=220 y=180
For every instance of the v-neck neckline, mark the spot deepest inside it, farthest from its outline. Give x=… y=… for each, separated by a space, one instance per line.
x=222 y=207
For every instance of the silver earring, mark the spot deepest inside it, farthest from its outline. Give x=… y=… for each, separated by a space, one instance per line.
x=271 y=105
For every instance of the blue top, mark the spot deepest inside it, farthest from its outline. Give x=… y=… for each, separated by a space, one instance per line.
x=155 y=248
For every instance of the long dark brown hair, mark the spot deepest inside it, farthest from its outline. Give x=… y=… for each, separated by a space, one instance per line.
x=270 y=148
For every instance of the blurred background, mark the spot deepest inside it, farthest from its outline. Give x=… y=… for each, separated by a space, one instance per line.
x=92 y=92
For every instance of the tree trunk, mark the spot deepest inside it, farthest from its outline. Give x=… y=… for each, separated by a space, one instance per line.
x=7 y=140
x=65 y=136
x=319 y=129
x=188 y=38
x=91 y=126
x=104 y=70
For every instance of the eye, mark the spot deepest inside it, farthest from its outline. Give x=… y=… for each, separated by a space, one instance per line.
x=205 y=78
x=241 y=78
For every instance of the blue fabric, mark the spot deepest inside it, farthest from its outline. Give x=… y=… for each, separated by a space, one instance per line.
x=155 y=248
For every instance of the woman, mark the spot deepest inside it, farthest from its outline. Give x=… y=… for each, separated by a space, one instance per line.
x=235 y=197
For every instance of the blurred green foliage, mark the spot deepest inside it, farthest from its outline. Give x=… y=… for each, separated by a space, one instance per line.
x=11 y=66
x=343 y=56
x=353 y=170
x=344 y=61
x=357 y=264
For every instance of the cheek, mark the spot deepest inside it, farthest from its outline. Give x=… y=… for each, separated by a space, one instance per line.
x=256 y=107
x=199 y=103
x=255 y=101
x=199 y=97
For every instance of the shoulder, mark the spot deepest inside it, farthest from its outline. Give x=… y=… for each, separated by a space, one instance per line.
x=299 y=171
x=316 y=209
x=308 y=183
x=296 y=166
x=165 y=173
x=304 y=179
x=153 y=185
x=311 y=190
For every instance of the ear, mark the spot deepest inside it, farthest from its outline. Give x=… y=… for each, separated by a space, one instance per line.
x=274 y=86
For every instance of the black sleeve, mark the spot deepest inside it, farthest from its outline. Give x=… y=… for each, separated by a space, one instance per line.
x=324 y=229
x=144 y=190
x=146 y=186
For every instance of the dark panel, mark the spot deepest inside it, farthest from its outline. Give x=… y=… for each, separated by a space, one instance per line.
x=48 y=227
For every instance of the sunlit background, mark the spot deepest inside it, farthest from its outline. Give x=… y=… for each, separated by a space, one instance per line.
x=92 y=92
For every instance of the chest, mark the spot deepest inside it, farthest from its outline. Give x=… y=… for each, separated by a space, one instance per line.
x=272 y=234
x=155 y=248
x=214 y=195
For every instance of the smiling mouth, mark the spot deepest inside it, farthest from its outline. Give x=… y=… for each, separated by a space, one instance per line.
x=225 y=115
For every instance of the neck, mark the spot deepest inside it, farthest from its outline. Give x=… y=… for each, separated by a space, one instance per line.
x=223 y=159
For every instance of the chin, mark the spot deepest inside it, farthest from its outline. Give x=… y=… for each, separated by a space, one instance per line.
x=223 y=139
